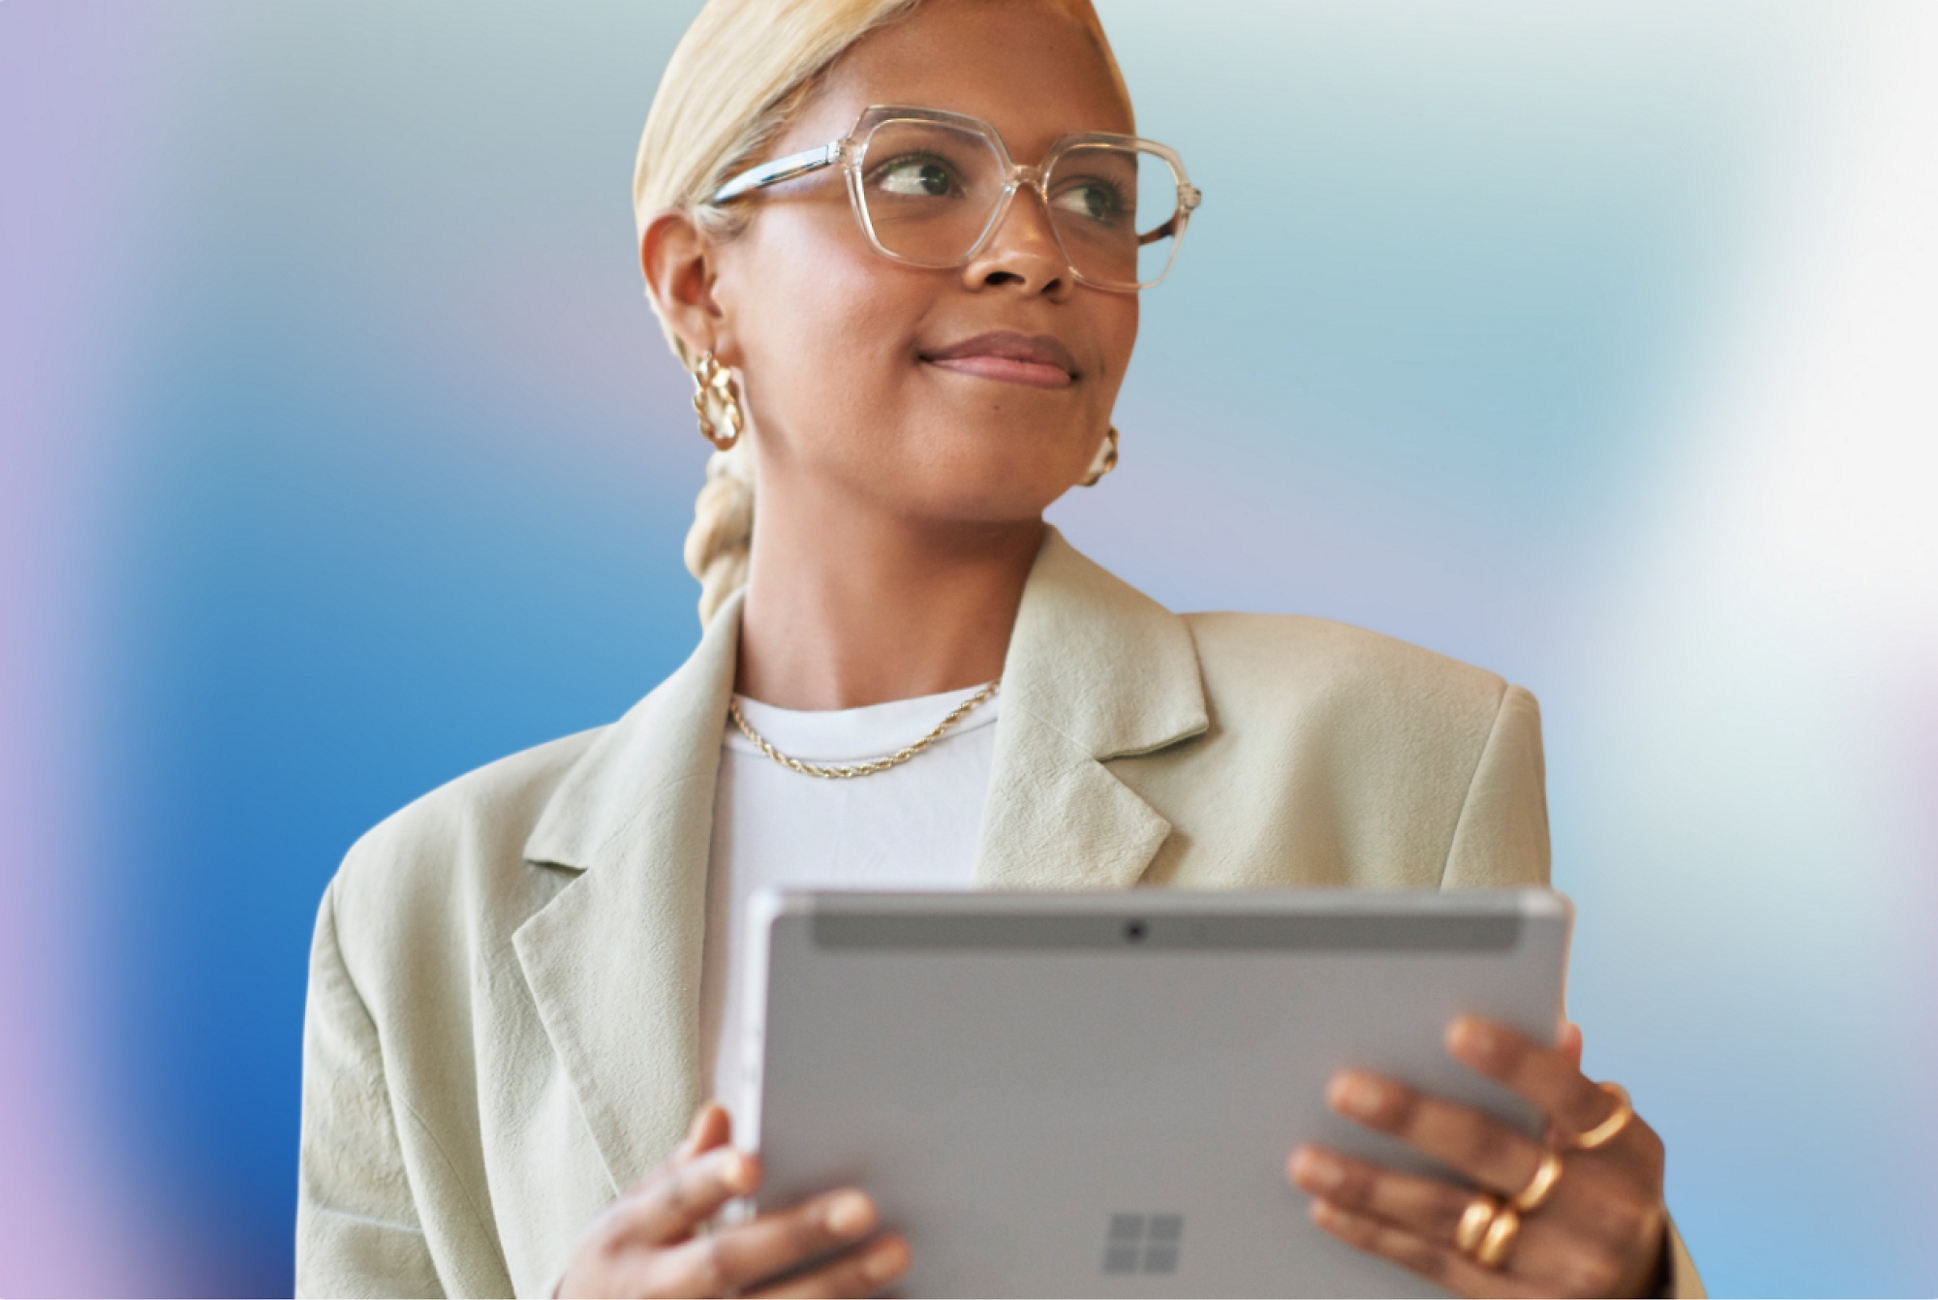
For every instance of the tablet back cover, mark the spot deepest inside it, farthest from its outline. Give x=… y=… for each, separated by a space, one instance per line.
x=1095 y=1094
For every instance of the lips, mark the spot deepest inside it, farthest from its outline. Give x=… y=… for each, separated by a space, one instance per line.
x=1038 y=361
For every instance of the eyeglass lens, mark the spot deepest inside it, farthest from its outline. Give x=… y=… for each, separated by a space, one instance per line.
x=930 y=190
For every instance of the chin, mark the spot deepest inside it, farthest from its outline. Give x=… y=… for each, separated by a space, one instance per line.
x=972 y=466
x=994 y=447
x=995 y=493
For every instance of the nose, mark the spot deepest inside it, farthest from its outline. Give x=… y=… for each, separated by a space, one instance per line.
x=1022 y=253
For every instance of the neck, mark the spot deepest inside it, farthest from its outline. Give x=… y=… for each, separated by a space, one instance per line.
x=849 y=606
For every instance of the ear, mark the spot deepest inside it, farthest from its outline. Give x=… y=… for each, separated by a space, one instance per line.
x=678 y=260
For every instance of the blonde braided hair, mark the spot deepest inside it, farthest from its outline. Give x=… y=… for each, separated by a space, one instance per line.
x=722 y=535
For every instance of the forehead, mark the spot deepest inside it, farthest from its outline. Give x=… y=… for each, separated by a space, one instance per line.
x=1031 y=71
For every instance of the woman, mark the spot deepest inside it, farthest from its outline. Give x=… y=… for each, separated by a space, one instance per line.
x=912 y=345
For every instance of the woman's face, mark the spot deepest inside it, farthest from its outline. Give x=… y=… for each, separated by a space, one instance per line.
x=898 y=385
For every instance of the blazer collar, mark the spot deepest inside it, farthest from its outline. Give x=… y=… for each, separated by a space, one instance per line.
x=1095 y=668
x=1095 y=671
x=1109 y=668
x=641 y=768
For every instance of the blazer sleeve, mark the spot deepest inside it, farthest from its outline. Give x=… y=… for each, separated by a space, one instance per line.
x=1680 y=1281
x=1501 y=839
x=357 y=1230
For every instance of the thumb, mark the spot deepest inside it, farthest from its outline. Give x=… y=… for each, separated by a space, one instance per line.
x=712 y=1127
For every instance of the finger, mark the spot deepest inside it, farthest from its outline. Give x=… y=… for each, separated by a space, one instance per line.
x=1556 y=1260
x=861 y=1272
x=1544 y=1075
x=735 y=1258
x=1442 y=1265
x=1424 y=1206
x=1600 y=1187
x=670 y=1207
x=712 y=1127
x=1477 y=1145
x=1569 y=1042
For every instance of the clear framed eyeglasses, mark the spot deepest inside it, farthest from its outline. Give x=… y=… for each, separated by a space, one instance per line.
x=929 y=188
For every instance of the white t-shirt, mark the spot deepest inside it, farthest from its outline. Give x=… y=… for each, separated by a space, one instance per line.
x=911 y=827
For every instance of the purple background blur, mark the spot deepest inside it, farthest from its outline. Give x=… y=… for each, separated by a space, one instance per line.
x=339 y=454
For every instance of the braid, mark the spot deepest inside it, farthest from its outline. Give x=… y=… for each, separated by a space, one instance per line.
x=723 y=527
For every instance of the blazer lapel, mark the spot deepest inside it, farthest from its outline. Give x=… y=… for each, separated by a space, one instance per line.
x=613 y=962
x=1096 y=670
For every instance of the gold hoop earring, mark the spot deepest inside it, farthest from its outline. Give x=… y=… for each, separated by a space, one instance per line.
x=1106 y=460
x=713 y=386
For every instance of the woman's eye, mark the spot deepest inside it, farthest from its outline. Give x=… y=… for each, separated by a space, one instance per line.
x=1092 y=199
x=916 y=178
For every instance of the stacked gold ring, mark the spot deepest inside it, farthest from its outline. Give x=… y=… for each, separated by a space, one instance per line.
x=1540 y=1185
x=1475 y=1220
x=1488 y=1229
x=1487 y=1232
x=1499 y=1241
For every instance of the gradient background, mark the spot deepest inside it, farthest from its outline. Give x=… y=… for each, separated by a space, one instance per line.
x=339 y=454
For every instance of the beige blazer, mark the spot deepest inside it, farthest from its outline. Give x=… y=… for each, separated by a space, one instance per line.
x=503 y=1017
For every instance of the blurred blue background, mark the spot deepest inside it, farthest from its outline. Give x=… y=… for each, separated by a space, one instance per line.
x=339 y=453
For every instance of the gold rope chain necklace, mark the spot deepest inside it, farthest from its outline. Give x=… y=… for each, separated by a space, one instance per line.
x=848 y=771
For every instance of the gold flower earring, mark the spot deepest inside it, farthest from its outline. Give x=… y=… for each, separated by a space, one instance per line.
x=1106 y=460
x=714 y=387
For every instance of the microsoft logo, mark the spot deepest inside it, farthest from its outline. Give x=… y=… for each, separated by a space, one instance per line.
x=1143 y=1243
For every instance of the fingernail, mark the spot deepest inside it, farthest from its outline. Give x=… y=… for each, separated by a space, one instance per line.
x=1476 y=1038
x=1359 y=1095
x=851 y=1214
x=1316 y=1171
x=736 y=1171
x=692 y=1142
x=885 y=1262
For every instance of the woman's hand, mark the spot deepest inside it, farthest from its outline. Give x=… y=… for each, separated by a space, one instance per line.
x=648 y=1241
x=1599 y=1230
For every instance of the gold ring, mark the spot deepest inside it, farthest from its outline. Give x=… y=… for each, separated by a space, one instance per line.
x=1498 y=1244
x=1475 y=1220
x=1604 y=1132
x=1541 y=1185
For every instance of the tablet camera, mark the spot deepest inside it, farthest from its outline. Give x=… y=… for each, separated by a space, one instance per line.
x=1134 y=931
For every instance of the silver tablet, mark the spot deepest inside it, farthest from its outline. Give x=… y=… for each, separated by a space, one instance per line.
x=1095 y=1094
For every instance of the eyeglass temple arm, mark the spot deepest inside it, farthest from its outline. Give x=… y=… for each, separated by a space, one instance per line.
x=1188 y=200
x=1164 y=231
x=781 y=169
